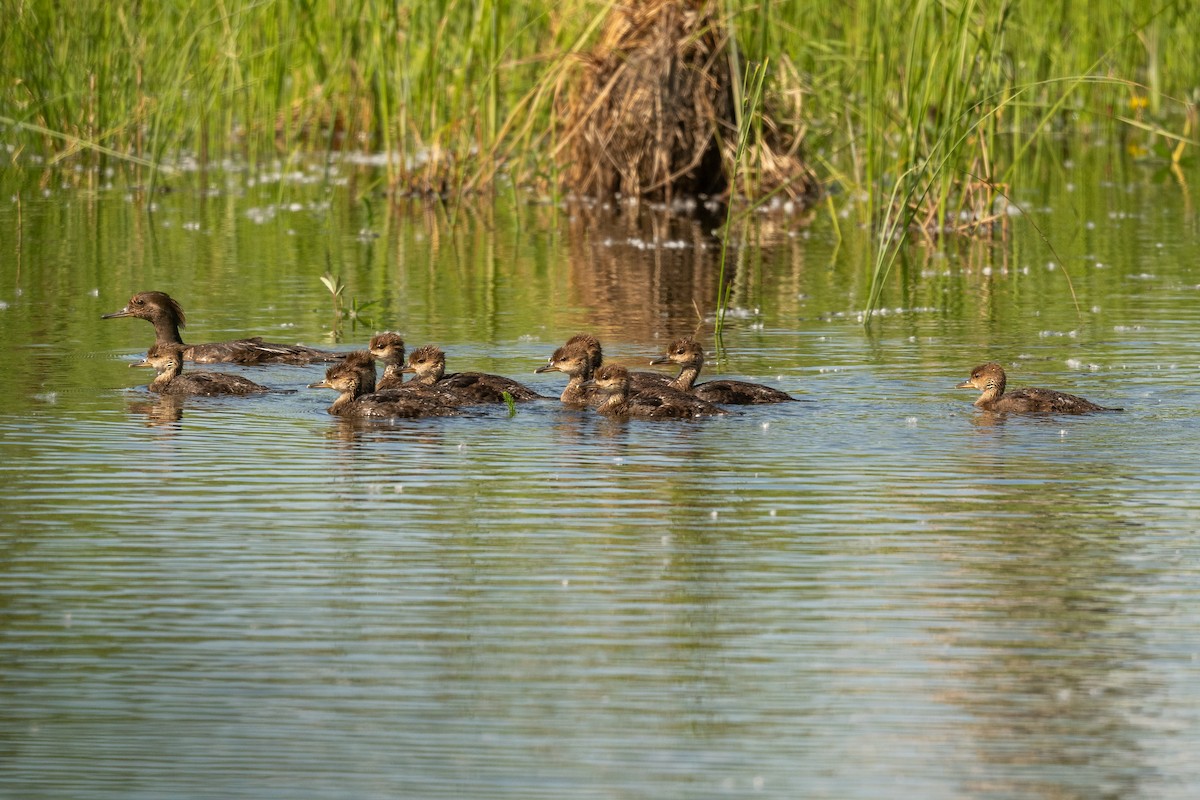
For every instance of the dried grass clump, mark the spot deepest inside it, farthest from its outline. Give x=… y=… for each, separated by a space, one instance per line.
x=652 y=101
x=652 y=112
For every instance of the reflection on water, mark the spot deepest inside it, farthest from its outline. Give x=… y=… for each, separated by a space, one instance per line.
x=881 y=592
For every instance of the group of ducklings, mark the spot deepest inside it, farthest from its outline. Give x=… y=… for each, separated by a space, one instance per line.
x=611 y=389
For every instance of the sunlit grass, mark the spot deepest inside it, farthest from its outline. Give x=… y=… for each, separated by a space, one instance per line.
x=915 y=114
x=444 y=85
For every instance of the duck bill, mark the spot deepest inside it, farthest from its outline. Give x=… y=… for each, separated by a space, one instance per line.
x=546 y=368
x=142 y=363
x=320 y=385
x=964 y=385
x=661 y=360
x=124 y=312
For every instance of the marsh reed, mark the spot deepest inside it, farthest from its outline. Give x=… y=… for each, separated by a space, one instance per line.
x=913 y=114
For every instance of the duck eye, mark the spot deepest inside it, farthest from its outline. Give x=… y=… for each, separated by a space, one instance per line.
x=137 y=301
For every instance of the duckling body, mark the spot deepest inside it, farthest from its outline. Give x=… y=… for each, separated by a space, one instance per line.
x=170 y=380
x=428 y=365
x=990 y=380
x=167 y=317
x=388 y=349
x=620 y=400
x=354 y=380
x=689 y=355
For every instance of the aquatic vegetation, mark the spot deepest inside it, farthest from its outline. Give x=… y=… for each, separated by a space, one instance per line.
x=341 y=311
x=725 y=289
x=913 y=115
x=452 y=94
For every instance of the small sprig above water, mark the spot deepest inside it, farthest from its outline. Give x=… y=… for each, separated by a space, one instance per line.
x=342 y=311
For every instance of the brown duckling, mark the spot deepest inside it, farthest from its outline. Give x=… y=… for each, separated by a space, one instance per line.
x=354 y=380
x=388 y=349
x=662 y=402
x=990 y=379
x=168 y=360
x=428 y=364
x=161 y=310
x=575 y=361
x=591 y=345
x=579 y=359
x=689 y=355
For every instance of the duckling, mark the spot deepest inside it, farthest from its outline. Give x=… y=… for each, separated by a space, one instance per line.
x=575 y=361
x=354 y=380
x=579 y=359
x=388 y=349
x=161 y=310
x=660 y=403
x=990 y=379
x=590 y=344
x=689 y=355
x=428 y=364
x=168 y=360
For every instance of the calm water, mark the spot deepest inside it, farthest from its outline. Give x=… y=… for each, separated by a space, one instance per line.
x=876 y=593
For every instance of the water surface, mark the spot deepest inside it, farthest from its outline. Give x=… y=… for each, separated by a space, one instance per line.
x=876 y=592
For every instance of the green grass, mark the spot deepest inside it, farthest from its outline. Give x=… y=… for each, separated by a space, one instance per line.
x=915 y=112
x=884 y=85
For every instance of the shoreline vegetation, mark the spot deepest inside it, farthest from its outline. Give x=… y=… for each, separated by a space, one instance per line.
x=909 y=118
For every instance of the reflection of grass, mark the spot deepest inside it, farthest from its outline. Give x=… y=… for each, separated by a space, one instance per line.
x=341 y=311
